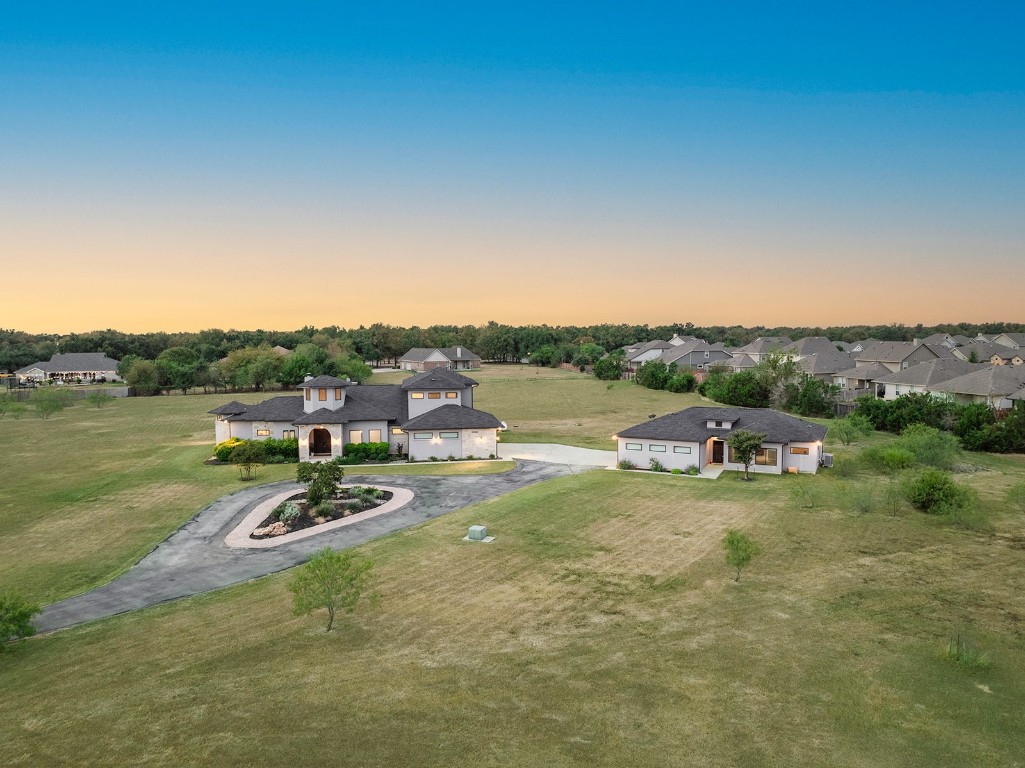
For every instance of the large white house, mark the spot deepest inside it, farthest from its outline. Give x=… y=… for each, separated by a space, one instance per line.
x=697 y=436
x=429 y=414
x=72 y=366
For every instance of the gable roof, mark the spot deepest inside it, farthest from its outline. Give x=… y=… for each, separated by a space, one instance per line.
x=811 y=345
x=419 y=354
x=991 y=380
x=930 y=372
x=896 y=351
x=741 y=361
x=867 y=372
x=438 y=378
x=1014 y=338
x=674 y=353
x=690 y=425
x=647 y=346
x=74 y=362
x=453 y=417
x=987 y=350
x=764 y=344
x=826 y=362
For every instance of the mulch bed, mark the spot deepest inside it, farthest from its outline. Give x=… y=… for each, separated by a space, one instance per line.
x=307 y=520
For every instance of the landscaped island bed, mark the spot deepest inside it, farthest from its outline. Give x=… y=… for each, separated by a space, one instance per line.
x=296 y=514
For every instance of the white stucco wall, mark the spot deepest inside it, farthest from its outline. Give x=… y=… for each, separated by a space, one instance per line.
x=364 y=427
x=809 y=463
x=776 y=469
x=315 y=403
x=671 y=458
x=436 y=446
x=418 y=406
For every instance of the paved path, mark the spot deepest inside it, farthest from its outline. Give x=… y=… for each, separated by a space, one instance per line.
x=195 y=558
x=560 y=454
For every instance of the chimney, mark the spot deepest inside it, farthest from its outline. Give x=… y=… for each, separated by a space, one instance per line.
x=916 y=342
x=459 y=351
x=306 y=378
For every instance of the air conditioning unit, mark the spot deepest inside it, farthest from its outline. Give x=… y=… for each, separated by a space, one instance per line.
x=827 y=459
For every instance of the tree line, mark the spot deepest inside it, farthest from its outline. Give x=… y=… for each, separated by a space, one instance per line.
x=381 y=343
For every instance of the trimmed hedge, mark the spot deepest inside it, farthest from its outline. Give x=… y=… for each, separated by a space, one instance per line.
x=277 y=451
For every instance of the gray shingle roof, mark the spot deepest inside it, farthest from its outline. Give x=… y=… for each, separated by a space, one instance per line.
x=438 y=378
x=689 y=425
x=930 y=372
x=419 y=354
x=453 y=417
x=741 y=361
x=74 y=362
x=376 y=402
x=673 y=354
x=991 y=380
x=764 y=344
x=827 y=362
x=285 y=408
x=325 y=381
x=868 y=372
x=229 y=409
x=986 y=351
x=811 y=345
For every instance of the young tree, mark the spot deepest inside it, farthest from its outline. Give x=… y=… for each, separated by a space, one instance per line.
x=332 y=580
x=740 y=549
x=15 y=618
x=50 y=401
x=743 y=446
x=609 y=368
x=844 y=430
x=321 y=479
x=99 y=398
x=247 y=456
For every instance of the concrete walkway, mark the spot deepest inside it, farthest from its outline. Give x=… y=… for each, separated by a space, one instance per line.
x=559 y=454
x=195 y=559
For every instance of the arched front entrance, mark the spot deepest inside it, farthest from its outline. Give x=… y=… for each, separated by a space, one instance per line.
x=320 y=442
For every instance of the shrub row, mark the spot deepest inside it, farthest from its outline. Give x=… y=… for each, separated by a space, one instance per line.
x=283 y=451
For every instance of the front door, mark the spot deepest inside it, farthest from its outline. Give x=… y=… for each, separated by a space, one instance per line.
x=320 y=442
x=717 y=451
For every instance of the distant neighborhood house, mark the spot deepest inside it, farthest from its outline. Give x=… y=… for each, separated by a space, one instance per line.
x=70 y=367
x=697 y=436
x=428 y=358
x=428 y=414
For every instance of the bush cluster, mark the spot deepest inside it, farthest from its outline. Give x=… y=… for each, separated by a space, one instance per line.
x=222 y=451
x=936 y=492
x=358 y=453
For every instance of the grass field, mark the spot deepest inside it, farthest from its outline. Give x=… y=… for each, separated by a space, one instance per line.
x=89 y=491
x=547 y=405
x=600 y=628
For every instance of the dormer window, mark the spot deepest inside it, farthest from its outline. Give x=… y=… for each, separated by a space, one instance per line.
x=322 y=393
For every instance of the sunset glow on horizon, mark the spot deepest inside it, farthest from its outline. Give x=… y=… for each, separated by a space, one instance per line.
x=248 y=169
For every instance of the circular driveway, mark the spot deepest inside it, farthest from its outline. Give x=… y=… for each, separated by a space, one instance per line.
x=195 y=559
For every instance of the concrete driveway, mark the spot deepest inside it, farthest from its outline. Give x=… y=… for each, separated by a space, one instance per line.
x=559 y=454
x=195 y=559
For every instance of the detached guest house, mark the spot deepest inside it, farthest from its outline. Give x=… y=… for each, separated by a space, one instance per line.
x=430 y=414
x=697 y=437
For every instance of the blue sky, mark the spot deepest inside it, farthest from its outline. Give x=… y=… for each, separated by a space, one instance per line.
x=526 y=147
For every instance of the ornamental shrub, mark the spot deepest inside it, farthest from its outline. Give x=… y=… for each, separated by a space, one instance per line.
x=286 y=511
x=626 y=464
x=361 y=452
x=222 y=451
x=656 y=466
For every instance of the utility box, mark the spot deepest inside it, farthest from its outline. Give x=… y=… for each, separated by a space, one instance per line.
x=477 y=533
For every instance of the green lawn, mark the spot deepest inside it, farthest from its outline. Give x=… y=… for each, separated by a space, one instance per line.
x=547 y=405
x=89 y=491
x=600 y=628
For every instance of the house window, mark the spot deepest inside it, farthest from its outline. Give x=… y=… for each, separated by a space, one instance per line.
x=416 y=395
x=396 y=431
x=423 y=435
x=288 y=434
x=308 y=393
x=798 y=451
x=681 y=449
x=766 y=457
x=263 y=433
x=706 y=353
x=374 y=436
x=449 y=435
x=656 y=448
x=355 y=435
x=434 y=395
x=451 y=395
x=338 y=393
x=633 y=446
x=322 y=393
